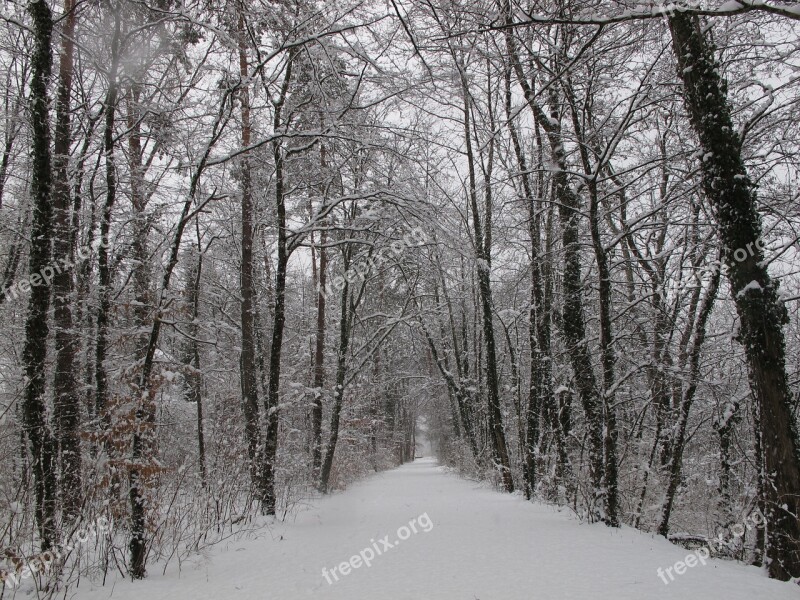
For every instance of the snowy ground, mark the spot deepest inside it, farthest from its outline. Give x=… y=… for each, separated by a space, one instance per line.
x=482 y=545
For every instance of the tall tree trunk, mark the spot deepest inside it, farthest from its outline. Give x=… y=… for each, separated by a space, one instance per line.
x=731 y=192
x=319 y=367
x=144 y=418
x=143 y=437
x=482 y=241
x=607 y=355
x=34 y=353
x=319 y=344
x=65 y=384
x=248 y=367
x=608 y=360
x=139 y=198
x=539 y=373
x=461 y=356
x=84 y=313
x=375 y=419
x=104 y=268
x=270 y=442
x=194 y=377
x=345 y=321
x=573 y=314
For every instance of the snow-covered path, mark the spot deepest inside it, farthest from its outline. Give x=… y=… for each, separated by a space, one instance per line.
x=482 y=545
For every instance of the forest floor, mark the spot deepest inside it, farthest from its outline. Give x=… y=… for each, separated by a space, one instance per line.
x=471 y=543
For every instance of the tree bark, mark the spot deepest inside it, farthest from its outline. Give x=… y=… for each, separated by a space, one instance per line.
x=345 y=323
x=270 y=442
x=319 y=365
x=65 y=384
x=319 y=339
x=103 y=266
x=193 y=376
x=248 y=367
x=724 y=426
x=34 y=353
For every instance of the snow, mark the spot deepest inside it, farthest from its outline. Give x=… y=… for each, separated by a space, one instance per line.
x=482 y=545
x=729 y=411
x=753 y=285
x=729 y=6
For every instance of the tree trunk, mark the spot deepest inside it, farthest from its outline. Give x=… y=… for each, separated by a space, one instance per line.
x=143 y=438
x=34 y=353
x=725 y=426
x=194 y=377
x=141 y=275
x=65 y=384
x=608 y=360
x=103 y=266
x=573 y=314
x=759 y=551
x=338 y=391
x=538 y=327
x=248 y=367
x=607 y=355
x=482 y=240
x=144 y=418
x=729 y=189
x=319 y=351
x=270 y=442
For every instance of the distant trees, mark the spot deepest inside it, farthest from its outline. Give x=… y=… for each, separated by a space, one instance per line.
x=586 y=126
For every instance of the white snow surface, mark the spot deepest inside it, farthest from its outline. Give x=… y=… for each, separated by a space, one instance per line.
x=483 y=545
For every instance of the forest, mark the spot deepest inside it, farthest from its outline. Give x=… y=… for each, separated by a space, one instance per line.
x=255 y=252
